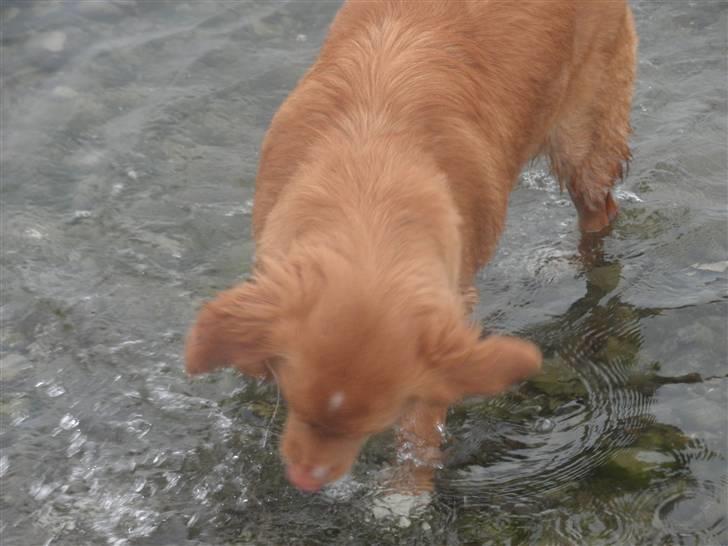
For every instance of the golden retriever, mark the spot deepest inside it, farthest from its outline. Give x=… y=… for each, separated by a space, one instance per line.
x=383 y=187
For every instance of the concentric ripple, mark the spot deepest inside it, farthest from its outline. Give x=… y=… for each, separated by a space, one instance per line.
x=564 y=424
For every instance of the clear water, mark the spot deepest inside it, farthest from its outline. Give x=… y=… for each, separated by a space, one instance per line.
x=130 y=132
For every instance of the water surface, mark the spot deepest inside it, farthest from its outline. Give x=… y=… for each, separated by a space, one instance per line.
x=130 y=134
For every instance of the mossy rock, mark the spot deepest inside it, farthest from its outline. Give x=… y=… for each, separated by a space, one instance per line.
x=662 y=437
x=474 y=526
x=638 y=461
x=558 y=380
x=479 y=408
x=620 y=348
x=605 y=277
x=262 y=408
x=638 y=223
x=612 y=478
x=631 y=468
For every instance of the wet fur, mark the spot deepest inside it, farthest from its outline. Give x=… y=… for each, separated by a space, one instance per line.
x=382 y=188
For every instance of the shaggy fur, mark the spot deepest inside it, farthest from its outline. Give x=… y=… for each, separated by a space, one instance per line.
x=382 y=188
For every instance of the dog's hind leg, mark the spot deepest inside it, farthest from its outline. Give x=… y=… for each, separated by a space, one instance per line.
x=588 y=143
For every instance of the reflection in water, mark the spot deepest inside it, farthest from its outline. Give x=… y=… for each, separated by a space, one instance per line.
x=583 y=425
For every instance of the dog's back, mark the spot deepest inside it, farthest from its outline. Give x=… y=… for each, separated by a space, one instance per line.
x=479 y=86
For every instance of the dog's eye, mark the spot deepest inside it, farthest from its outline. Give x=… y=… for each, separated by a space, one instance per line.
x=318 y=427
x=327 y=431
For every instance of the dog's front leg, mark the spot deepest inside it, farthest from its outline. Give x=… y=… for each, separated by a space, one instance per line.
x=420 y=434
x=470 y=299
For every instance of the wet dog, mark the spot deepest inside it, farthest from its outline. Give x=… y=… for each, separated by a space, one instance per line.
x=382 y=188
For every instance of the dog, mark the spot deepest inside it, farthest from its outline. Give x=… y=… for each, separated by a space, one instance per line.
x=382 y=189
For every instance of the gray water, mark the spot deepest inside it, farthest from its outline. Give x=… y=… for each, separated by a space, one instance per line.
x=130 y=134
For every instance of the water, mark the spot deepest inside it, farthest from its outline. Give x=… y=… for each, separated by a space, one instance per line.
x=130 y=133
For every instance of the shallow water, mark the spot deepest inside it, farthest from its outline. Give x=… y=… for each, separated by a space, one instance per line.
x=130 y=133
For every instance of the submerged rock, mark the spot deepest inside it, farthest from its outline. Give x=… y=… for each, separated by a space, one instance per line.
x=12 y=365
x=558 y=380
x=64 y=92
x=715 y=267
x=398 y=505
x=53 y=41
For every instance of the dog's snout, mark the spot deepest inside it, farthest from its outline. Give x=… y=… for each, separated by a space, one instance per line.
x=306 y=477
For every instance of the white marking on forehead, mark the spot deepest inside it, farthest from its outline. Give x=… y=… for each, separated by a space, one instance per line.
x=336 y=400
x=319 y=472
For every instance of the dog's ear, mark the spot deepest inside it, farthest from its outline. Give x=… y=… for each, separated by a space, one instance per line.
x=251 y=323
x=461 y=364
x=235 y=329
x=496 y=363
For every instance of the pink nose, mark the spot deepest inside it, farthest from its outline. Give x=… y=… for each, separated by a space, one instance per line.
x=306 y=478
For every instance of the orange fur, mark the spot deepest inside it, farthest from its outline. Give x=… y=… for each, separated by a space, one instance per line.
x=382 y=188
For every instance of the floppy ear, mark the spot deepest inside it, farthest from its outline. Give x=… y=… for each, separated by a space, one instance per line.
x=496 y=363
x=235 y=329
x=463 y=365
x=248 y=324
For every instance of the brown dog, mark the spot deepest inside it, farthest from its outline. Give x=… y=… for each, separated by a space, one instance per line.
x=382 y=188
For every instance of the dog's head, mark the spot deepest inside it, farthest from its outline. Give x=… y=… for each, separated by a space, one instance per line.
x=350 y=352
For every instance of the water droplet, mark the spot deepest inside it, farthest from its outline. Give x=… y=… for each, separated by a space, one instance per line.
x=200 y=492
x=172 y=479
x=139 y=426
x=628 y=196
x=544 y=425
x=79 y=216
x=193 y=520
x=33 y=233
x=54 y=391
x=68 y=422
x=19 y=418
x=77 y=441
x=40 y=491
